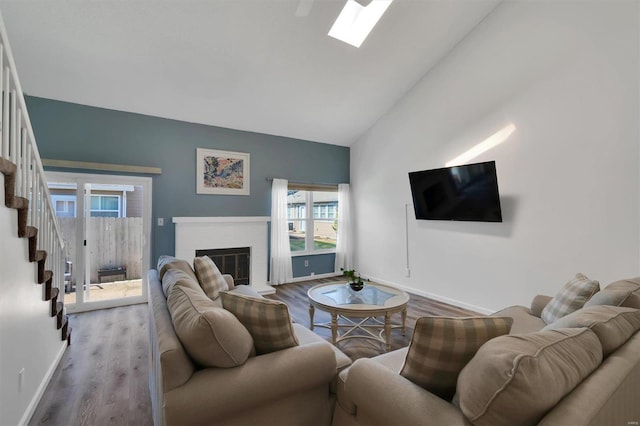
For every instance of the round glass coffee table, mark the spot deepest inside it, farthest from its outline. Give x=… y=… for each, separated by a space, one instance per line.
x=367 y=305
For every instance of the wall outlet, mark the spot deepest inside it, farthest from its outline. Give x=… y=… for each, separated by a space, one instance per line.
x=306 y=263
x=20 y=380
x=407 y=272
x=161 y=221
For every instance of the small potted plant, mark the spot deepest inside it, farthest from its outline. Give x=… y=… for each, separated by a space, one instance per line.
x=354 y=281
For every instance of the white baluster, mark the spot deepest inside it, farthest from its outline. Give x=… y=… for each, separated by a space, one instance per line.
x=17 y=154
x=5 y=113
x=25 y=163
x=12 y=126
x=1 y=95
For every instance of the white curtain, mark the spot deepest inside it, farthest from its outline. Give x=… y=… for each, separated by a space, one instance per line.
x=281 y=270
x=344 y=248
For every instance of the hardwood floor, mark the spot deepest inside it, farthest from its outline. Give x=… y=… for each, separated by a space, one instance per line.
x=295 y=296
x=102 y=378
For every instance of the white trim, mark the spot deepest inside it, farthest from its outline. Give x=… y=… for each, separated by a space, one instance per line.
x=68 y=164
x=31 y=408
x=221 y=219
x=435 y=297
x=104 y=304
x=82 y=179
x=314 y=277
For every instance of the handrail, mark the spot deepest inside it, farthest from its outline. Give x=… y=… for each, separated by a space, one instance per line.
x=19 y=146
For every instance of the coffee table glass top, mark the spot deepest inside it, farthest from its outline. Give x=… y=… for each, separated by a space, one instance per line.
x=372 y=296
x=369 y=295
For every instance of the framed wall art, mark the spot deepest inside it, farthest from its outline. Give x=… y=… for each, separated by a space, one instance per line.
x=222 y=172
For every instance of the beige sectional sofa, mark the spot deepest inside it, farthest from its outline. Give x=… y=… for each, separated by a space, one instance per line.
x=372 y=392
x=292 y=386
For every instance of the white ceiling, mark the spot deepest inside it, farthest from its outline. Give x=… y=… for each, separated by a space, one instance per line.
x=243 y=64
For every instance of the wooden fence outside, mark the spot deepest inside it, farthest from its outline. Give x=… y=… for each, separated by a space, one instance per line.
x=114 y=242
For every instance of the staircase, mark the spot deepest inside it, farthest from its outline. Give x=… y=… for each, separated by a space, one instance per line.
x=26 y=189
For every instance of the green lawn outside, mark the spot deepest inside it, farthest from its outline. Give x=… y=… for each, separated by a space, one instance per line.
x=297 y=244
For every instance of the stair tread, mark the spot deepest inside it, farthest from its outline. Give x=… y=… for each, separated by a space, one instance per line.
x=19 y=203
x=46 y=277
x=53 y=294
x=7 y=167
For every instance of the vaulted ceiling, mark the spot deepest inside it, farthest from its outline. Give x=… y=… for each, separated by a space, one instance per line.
x=257 y=65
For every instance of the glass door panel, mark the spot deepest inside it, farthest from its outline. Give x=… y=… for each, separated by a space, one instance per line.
x=105 y=223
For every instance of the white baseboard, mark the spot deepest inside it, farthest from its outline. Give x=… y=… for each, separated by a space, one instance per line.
x=31 y=408
x=315 y=277
x=436 y=297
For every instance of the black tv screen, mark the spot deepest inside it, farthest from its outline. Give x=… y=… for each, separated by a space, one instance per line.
x=468 y=192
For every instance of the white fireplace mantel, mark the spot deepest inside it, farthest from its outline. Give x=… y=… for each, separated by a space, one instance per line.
x=202 y=233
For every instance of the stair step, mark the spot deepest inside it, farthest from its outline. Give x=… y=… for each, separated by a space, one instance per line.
x=41 y=255
x=51 y=293
x=56 y=308
x=68 y=336
x=59 y=315
x=64 y=326
x=32 y=235
x=46 y=276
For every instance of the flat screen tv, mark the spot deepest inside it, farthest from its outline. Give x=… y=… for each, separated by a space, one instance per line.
x=468 y=192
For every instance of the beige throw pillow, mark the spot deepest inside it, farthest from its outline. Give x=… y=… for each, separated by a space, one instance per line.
x=169 y=262
x=174 y=277
x=209 y=276
x=571 y=297
x=516 y=379
x=441 y=347
x=267 y=320
x=212 y=336
x=632 y=285
x=613 y=325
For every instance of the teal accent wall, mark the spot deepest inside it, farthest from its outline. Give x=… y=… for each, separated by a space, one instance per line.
x=67 y=131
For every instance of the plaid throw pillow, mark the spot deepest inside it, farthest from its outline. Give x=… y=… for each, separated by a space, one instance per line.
x=570 y=298
x=209 y=276
x=441 y=347
x=267 y=320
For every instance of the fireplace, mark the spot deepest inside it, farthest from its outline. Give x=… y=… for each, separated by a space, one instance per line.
x=232 y=261
x=195 y=234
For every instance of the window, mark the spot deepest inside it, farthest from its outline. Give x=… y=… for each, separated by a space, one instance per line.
x=101 y=205
x=105 y=206
x=313 y=221
x=65 y=205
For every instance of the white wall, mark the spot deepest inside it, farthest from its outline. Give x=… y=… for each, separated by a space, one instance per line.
x=28 y=335
x=565 y=73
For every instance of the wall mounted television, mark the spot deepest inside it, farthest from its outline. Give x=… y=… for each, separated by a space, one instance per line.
x=468 y=192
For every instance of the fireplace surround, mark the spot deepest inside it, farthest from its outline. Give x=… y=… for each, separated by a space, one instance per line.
x=212 y=233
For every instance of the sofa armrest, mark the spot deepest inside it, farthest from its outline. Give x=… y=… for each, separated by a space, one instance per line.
x=538 y=303
x=215 y=393
x=229 y=279
x=383 y=397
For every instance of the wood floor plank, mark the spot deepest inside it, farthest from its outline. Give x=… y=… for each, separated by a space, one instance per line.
x=102 y=378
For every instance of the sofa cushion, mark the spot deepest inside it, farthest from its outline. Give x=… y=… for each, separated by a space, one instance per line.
x=212 y=336
x=571 y=297
x=441 y=347
x=516 y=379
x=613 y=325
x=174 y=276
x=169 y=262
x=267 y=320
x=632 y=285
x=609 y=297
x=209 y=276
x=523 y=321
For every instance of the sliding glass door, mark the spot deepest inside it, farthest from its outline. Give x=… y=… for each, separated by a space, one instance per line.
x=106 y=223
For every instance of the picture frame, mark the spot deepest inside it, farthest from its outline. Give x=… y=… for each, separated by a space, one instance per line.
x=222 y=172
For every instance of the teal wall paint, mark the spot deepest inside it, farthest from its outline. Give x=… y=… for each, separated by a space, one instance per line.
x=67 y=131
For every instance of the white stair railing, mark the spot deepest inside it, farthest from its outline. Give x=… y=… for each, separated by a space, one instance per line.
x=19 y=146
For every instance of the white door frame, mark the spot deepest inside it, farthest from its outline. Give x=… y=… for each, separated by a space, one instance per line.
x=80 y=179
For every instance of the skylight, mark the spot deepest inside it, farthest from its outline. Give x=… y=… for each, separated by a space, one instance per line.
x=355 y=22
